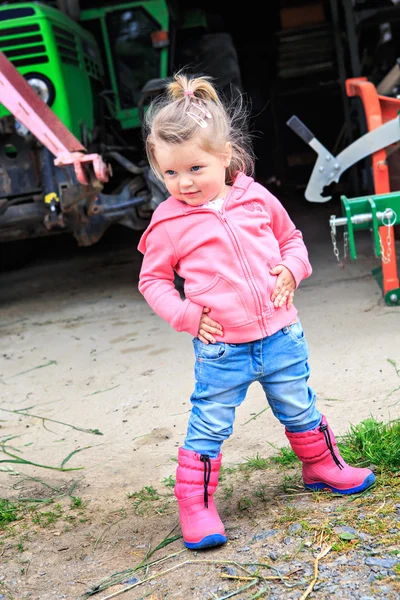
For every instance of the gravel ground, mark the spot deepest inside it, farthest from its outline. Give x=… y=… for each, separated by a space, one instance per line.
x=283 y=543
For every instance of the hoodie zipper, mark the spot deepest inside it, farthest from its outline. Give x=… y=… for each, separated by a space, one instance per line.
x=243 y=262
x=242 y=258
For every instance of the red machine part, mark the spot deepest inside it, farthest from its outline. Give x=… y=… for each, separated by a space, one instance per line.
x=24 y=103
x=378 y=110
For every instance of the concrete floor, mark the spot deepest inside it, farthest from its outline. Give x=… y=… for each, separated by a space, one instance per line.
x=80 y=346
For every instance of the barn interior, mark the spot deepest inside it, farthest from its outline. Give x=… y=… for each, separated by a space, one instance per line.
x=294 y=58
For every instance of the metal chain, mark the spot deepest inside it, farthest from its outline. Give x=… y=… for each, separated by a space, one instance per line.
x=345 y=245
x=388 y=219
x=335 y=248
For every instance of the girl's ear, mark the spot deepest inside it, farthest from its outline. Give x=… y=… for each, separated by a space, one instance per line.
x=227 y=154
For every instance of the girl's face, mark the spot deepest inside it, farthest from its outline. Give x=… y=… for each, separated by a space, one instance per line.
x=191 y=174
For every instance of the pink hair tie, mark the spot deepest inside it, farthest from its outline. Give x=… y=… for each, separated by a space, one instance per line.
x=188 y=93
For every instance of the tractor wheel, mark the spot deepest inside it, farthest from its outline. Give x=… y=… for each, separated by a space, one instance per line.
x=213 y=54
x=220 y=60
x=71 y=8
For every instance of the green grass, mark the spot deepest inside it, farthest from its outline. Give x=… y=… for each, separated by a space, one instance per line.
x=47 y=518
x=9 y=512
x=285 y=457
x=256 y=462
x=148 y=492
x=372 y=442
x=169 y=481
x=76 y=502
x=263 y=493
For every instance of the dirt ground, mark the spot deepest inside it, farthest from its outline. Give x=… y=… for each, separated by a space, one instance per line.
x=81 y=354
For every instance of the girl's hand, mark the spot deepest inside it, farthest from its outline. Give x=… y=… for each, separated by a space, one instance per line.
x=284 y=287
x=207 y=327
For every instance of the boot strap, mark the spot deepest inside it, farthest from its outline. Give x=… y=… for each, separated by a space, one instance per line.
x=325 y=430
x=207 y=474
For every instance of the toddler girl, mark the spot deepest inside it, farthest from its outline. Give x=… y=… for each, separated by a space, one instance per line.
x=241 y=258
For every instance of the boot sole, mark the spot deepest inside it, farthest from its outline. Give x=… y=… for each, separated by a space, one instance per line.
x=209 y=541
x=368 y=481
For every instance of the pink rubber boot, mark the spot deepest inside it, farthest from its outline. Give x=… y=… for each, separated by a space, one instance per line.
x=323 y=467
x=196 y=482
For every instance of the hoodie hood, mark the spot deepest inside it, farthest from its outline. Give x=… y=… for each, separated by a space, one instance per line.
x=172 y=208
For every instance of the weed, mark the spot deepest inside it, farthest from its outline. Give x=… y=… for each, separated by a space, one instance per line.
x=143 y=498
x=162 y=509
x=9 y=511
x=344 y=545
x=46 y=518
x=70 y=517
x=228 y=491
x=262 y=493
x=292 y=514
x=244 y=503
x=146 y=493
x=373 y=442
x=305 y=524
x=285 y=457
x=292 y=483
x=226 y=471
x=256 y=462
x=169 y=481
x=76 y=502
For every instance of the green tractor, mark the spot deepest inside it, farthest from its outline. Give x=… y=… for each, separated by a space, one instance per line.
x=95 y=67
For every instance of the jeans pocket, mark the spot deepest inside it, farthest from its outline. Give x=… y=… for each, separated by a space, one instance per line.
x=210 y=351
x=296 y=332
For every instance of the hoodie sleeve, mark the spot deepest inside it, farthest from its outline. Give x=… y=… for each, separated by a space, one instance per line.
x=292 y=247
x=156 y=282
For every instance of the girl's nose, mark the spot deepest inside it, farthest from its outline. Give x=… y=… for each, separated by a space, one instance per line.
x=186 y=181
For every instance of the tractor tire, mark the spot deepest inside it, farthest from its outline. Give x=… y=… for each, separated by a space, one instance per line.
x=71 y=8
x=214 y=54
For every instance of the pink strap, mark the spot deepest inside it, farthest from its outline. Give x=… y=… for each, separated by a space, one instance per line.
x=188 y=93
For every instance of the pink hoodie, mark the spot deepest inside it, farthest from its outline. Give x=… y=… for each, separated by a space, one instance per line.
x=224 y=257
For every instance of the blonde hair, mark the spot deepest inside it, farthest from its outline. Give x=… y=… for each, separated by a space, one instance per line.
x=168 y=119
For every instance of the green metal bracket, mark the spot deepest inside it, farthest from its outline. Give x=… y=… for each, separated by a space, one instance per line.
x=370 y=212
x=392 y=298
x=375 y=227
x=367 y=212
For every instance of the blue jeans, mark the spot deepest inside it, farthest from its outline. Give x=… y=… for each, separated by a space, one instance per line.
x=224 y=373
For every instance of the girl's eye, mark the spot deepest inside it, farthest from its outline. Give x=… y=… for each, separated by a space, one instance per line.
x=169 y=172
x=195 y=168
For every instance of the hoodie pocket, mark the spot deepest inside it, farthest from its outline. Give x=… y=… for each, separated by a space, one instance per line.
x=227 y=303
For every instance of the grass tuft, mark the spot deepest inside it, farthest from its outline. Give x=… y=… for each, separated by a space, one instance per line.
x=256 y=462
x=285 y=457
x=372 y=442
x=169 y=481
x=8 y=512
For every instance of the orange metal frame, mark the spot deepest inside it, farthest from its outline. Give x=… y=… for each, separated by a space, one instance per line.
x=378 y=110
